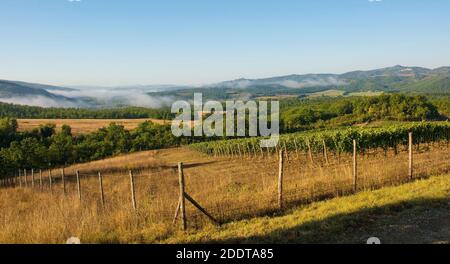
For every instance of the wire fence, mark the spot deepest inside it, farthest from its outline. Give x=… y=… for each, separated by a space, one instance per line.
x=232 y=188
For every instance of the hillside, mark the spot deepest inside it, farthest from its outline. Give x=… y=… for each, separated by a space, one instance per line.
x=413 y=213
x=391 y=79
x=34 y=95
x=12 y=89
x=429 y=85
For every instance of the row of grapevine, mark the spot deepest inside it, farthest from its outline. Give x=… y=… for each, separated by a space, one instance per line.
x=337 y=140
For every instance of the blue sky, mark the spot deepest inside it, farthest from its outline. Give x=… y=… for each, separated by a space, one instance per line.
x=124 y=42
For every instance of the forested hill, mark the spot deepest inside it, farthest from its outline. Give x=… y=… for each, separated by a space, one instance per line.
x=392 y=79
x=430 y=85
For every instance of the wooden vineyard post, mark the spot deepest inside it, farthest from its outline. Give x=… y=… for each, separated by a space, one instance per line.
x=310 y=152
x=355 y=167
x=40 y=179
x=286 y=153
x=20 y=178
x=50 y=181
x=261 y=152
x=182 y=197
x=77 y=174
x=296 y=149
x=133 y=196
x=255 y=150
x=410 y=163
x=25 y=175
x=280 y=181
x=277 y=151
x=239 y=150
x=32 y=178
x=63 y=179
x=325 y=152
x=102 y=194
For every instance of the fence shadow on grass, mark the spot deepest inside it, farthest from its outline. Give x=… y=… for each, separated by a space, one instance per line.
x=411 y=221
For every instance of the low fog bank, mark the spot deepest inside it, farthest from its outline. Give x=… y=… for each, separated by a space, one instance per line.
x=318 y=82
x=294 y=82
x=115 y=97
x=41 y=101
x=92 y=98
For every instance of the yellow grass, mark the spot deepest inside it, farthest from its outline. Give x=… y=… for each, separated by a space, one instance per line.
x=83 y=126
x=327 y=93
x=229 y=188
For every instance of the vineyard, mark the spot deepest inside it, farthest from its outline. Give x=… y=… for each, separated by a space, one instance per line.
x=338 y=141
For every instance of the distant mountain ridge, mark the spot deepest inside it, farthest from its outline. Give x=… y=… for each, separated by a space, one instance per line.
x=34 y=94
x=391 y=79
x=310 y=80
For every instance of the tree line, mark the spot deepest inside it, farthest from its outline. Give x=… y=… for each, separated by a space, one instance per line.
x=22 y=111
x=43 y=147
x=297 y=115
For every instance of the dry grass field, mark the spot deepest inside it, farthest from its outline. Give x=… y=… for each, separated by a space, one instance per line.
x=229 y=188
x=83 y=126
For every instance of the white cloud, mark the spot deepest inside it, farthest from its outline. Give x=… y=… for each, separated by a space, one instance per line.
x=375 y=1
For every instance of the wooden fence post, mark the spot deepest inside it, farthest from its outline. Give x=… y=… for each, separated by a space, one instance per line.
x=26 y=180
x=280 y=180
x=410 y=165
x=40 y=179
x=102 y=194
x=32 y=178
x=182 y=197
x=355 y=167
x=133 y=197
x=20 y=178
x=63 y=179
x=50 y=181
x=77 y=173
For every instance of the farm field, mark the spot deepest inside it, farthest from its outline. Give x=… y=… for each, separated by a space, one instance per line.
x=83 y=126
x=229 y=188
